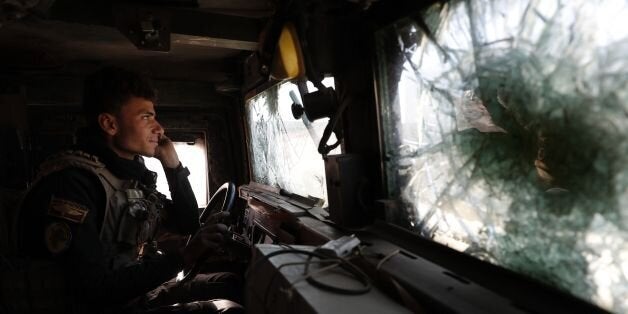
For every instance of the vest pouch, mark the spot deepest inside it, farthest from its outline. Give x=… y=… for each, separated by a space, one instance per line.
x=134 y=214
x=128 y=229
x=155 y=204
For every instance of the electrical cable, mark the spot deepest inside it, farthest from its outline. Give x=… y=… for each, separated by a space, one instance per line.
x=343 y=263
x=274 y=276
x=408 y=300
x=349 y=267
x=386 y=258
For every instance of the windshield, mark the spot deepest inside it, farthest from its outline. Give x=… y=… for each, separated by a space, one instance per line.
x=283 y=150
x=505 y=133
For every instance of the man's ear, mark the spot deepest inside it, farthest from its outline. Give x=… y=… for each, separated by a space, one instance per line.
x=108 y=123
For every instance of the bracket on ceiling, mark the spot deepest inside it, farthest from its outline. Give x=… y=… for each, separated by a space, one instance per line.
x=146 y=28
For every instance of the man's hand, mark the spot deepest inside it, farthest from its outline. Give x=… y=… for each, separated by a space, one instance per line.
x=217 y=218
x=207 y=241
x=166 y=153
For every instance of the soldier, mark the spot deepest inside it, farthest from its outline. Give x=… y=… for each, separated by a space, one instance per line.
x=93 y=215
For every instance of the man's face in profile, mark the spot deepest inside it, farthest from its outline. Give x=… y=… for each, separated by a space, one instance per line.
x=138 y=132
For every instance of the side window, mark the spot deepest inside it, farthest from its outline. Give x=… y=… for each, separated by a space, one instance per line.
x=193 y=155
x=283 y=150
x=505 y=134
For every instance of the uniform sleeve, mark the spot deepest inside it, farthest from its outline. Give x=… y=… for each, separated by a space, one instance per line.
x=84 y=256
x=182 y=214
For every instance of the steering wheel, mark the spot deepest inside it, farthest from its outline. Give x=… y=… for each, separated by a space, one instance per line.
x=221 y=201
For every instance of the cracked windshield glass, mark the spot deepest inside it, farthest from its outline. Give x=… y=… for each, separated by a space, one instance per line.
x=506 y=135
x=283 y=150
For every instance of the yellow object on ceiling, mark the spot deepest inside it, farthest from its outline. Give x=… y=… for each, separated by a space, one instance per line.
x=288 y=59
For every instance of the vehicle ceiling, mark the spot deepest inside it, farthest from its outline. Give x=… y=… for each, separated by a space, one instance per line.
x=208 y=38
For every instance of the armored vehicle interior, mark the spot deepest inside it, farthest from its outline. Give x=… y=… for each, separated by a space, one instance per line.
x=466 y=156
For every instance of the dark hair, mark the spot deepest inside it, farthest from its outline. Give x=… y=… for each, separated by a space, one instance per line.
x=106 y=90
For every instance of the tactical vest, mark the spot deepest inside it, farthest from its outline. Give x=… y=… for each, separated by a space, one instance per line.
x=132 y=210
x=131 y=218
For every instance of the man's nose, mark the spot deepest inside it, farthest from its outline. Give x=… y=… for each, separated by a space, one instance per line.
x=158 y=128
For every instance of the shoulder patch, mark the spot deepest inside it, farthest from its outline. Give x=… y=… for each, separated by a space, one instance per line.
x=67 y=210
x=57 y=237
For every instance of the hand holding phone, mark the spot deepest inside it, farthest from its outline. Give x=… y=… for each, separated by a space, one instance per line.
x=166 y=153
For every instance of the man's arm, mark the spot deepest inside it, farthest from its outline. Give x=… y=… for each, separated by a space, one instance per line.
x=183 y=212
x=182 y=215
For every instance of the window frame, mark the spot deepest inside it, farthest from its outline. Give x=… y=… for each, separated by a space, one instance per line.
x=247 y=129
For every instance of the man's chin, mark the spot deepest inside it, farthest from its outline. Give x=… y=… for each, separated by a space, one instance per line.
x=148 y=154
